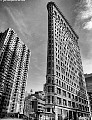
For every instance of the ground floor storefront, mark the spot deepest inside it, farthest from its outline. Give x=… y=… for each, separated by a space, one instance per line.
x=66 y=114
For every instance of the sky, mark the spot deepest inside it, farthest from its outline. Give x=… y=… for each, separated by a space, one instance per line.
x=29 y=19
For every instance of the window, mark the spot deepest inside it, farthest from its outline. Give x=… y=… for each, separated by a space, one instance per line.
x=52 y=99
x=64 y=25
x=58 y=57
x=59 y=82
x=64 y=85
x=87 y=108
x=82 y=107
x=77 y=105
x=49 y=88
x=69 y=103
x=64 y=93
x=69 y=95
x=74 y=84
x=62 y=76
x=58 y=62
x=48 y=109
x=58 y=17
x=56 y=43
x=61 y=21
x=49 y=51
x=73 y=104
x=52 y=88
x=56 y=73
x=58 y=91
x=58 y=100
x=48 y=99
x=70 y=76
x=67 y=85
x=55 y=13
x=49 y=80
x=56 y=66
x=71 y=89
x=56 y=49
x=64 y=102
x=72 y=96
x=79 y=99
x=49 y=71
x=59 y=74
x=76 y=98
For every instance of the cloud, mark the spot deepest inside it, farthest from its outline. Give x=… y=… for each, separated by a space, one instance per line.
x=85 y=13
x=19 y=19
x=3 y=24
x=87 y=66
x=83 y=24
x=88 y=25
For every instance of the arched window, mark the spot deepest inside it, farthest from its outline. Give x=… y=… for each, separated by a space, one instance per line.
x=55 y=13
x=58 y=17
x=64 y=25
x=61 y=21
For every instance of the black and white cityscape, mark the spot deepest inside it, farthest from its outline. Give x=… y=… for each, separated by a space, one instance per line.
x=65 y=90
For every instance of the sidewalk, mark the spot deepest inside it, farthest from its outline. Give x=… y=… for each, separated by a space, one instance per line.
x=11 y=119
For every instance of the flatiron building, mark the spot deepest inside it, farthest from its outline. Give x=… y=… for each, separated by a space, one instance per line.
x=14 y=62
x=65 y=88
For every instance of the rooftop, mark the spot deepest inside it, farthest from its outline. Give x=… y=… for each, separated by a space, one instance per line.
x=53 y=3
x=88 y=75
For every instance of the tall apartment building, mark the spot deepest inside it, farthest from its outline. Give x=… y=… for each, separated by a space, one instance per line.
x=65 y=88
x=14 y=60
x=88 y=79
